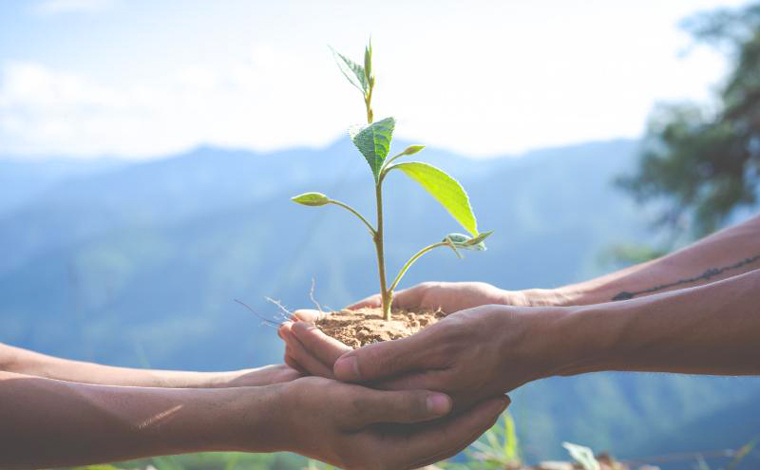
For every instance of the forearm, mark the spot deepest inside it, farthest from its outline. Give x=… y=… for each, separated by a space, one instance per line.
x=22 y=361
x=712 y=329
x=47 y=423
x=728 y=253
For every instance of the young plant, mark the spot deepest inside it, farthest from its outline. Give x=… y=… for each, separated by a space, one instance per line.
x=373 y=141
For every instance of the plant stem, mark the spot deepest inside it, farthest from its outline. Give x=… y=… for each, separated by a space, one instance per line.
x=356 y=213
x=385 y=294
x=414 y=258
x=368 y=104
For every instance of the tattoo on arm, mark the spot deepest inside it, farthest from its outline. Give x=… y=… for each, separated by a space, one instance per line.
x=706 y=276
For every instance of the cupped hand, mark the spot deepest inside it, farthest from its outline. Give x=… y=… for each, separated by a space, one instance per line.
x=354 y=427
x=307 y=349
x=468 y=355
x=448 y=296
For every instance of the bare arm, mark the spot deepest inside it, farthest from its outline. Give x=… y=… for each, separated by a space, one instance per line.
x=730 y=252
x=53 y=423
x=22 y=361
x=50 y=423
x=711 y=329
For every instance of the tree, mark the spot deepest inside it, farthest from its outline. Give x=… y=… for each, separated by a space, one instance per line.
x=702 y=162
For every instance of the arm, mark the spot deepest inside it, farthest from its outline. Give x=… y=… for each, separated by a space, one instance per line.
x=711 y=329
x=26 y=362
x=46 y=423
x=730 y=252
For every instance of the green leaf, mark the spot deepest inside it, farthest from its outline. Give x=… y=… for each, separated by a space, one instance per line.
x=311 y=199
x=445 y=190
x=582 y=455
x=467 y=242
x=353 y=72
x=374 y=142
x=411 y=150
x=368 y=62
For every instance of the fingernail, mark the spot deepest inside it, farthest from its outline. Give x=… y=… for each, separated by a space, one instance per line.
x=438 y=405
x=505 y=403
x=347 y=368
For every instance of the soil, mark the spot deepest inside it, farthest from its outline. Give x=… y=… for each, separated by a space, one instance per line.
x=357 y=328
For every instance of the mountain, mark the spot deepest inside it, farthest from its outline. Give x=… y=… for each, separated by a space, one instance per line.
x=138 y=263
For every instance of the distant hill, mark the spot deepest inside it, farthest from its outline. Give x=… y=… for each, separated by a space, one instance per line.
x=138 y=263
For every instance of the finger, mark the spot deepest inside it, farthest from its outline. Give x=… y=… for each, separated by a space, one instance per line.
x=373 y=301
x=371 y=406
x=408 y=299
x=434 y=443
x=321 y=346
x=295 y=365
x=301 y=356
x=307 y=315
x=382 y=360
x=422 y=380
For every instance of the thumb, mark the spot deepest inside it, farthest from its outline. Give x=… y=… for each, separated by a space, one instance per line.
x=373 y=301
x=380 y=360
x=406 y=299
x=408 y=406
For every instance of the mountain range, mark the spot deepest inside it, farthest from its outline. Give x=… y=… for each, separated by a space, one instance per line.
x=138 y=263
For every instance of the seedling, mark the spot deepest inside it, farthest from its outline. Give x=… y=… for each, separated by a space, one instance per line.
x=373 y=141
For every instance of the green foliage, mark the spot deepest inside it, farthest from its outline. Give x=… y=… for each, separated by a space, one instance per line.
x=582 y=455
x=703 y=161
x=374 y=142
x=466 y=242
x=311 y=199
x=354 y=73
x=214 y=461
x=497 y=449
x=742 y=453
x=445 y=189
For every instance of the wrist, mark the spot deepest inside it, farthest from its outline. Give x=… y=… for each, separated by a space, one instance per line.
x=253 y=419
x=586 y=338
x=559 y=297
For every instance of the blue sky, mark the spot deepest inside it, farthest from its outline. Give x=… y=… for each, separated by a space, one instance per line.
x=148 y=78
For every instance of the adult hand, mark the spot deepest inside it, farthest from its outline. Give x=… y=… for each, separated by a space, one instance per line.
x=354 y=427
x=307 y=349
x=468 y=355
x=449 y=296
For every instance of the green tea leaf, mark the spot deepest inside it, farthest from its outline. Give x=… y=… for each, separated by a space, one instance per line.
x=445 y=189
x=353 y=72
x=374 y=142
x=311 y=199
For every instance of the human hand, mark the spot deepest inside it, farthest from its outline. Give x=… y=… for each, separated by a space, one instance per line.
x=448 y=296
x=354 y=427
x=469 y=355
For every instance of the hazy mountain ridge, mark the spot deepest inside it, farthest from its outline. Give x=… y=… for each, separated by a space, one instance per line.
x=142 y=263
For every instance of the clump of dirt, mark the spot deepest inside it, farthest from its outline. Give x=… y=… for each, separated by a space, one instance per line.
x=357 y=328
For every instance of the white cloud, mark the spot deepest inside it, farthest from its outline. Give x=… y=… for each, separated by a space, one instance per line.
x=481 y=79
x=260 y=103
x=51 y=7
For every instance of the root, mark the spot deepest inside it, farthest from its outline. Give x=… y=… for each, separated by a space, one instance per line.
x=264 y=320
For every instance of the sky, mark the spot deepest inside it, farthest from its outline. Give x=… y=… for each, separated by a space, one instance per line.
x=144 y=79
